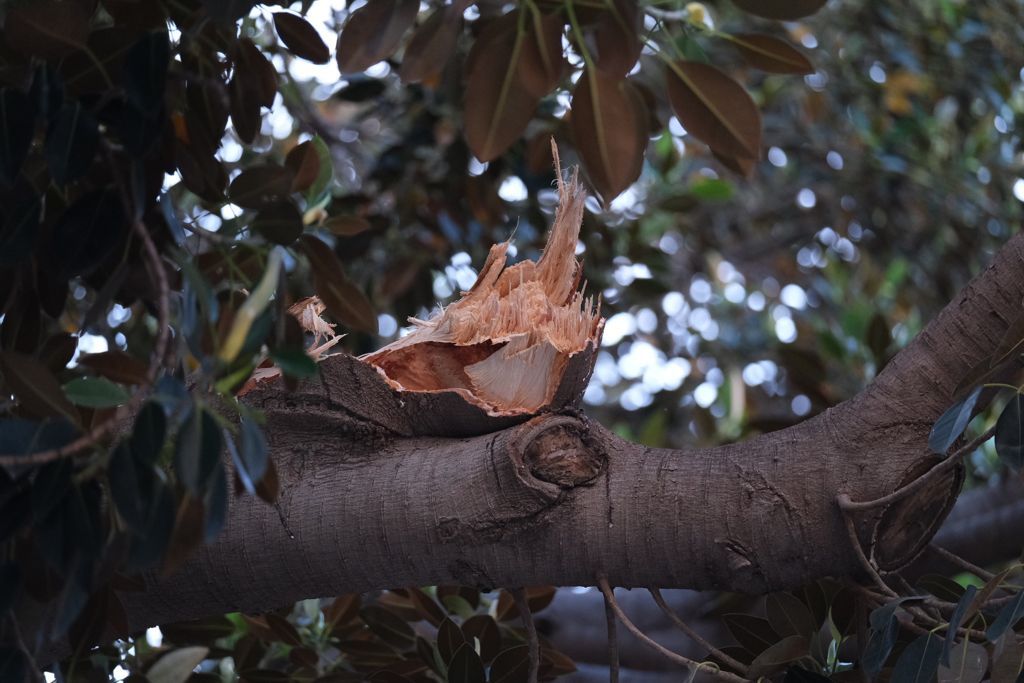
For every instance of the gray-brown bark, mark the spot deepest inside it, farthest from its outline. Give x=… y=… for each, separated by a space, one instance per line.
x=371 y=499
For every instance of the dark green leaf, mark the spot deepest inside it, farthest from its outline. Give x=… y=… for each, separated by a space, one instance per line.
x=1010 y=433
x=34 y=386
x=71 y=143
x=21 y=210
x=511 y=665
x=124 y=487
x=294 y=362
x=148 y=548
x=17 y=122
x=216 y=503
x=51 y=484
x=919 y=661
x=466 y=667
x=882 y=636
x=484 y=629
x=96 y=392
x=197 y=451
x=149 y=433
x=788 y=616
x=260 y=186
x=753 y=633
x=145 y=70
x=10 y=586
x=13 y=666
x=20 y=436
x=86 y=234
x=449 y=640
x=953 y=422
x=391 y=628
x=773 y=659
x=962 y=604
x=253 y=450
x=1008 y=616
x=301 y=38
x=279 y=222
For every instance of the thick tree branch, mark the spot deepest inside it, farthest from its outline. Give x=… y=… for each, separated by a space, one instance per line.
x=373 y=500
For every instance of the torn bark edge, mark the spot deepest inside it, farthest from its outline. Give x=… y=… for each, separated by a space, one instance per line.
x=906 y=526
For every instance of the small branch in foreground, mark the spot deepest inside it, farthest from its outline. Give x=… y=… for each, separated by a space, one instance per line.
x=962 y=563
x=690 y=664
x=523 y=605
x=613 y=642
x=949 y=463
x=696 y=637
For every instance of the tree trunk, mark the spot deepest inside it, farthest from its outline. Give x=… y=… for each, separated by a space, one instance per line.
x=370 y=499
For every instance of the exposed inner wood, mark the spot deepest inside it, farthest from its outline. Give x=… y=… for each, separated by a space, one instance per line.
x=505 y=344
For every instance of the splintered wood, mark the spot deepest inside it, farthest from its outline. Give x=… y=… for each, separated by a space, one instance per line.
x=506 y=343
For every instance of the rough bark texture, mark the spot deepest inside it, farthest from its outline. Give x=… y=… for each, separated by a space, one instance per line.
x=373 y=498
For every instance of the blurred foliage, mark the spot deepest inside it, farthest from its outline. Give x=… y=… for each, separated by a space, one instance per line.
x=177 y=166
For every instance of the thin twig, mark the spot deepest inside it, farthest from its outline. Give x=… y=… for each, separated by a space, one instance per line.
x=949 y=463
x=690 y=664
x=613 y=642
x=523 y=605
x=842 y=499
x=962 y=563
x=696 y=637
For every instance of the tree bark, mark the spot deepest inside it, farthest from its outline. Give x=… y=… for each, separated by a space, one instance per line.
x=372 y=498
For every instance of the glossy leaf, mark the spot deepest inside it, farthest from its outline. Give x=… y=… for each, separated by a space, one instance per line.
x=772 y=54
x=789 y=616
x=177 y=665
x=511 y=665
x=776 y=656
x=1009 y=615
x=967 y=665
x=919 y=662
x=962 y=605
x=304 y=162
x=390 y=628
x=617 y=38
x=95 y=392
x=71 y=143
x=1010 y=433
x=347 y=226
x=35 y=387
x=197 y=451
x=116 y=365
x=753 y=633
x=279 y=222
x=782 y=10
x=260 y=186
x=17 y=123
x=47 y=28
x=466 y=667
x=372 y=33
x=715 y=108
x=344 y=301
x=145 y=70
x=301 y=38
x=431 y=46
x=484 y=629
x=449 y=639
x=294 y=362
x=952 y=423
x=882 y=636
x=257 y=71
x=148 y=433
x=609 y=126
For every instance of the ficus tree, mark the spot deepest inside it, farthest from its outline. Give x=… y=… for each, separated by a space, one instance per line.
x=226 y=455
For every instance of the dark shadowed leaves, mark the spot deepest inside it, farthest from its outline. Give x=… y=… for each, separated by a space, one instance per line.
x=789 y=616
x=373 y=32
x=715 y=108
x=201 y=631
x=952 y=423
x=449 y=639
x=1008 y=616
x=145 y=71
x=753 y=633
x=86 y=234
x=795 y=674
x=968 y=664
x=919 y=661
x=769 y=53
x=617 y=38
x=344 y=301
x=775 y=657
x=116 y=365
x=71 y=143
x=882 y=636
x=294 y=362
x=124 y=472
x=228 y=10
x=260 y=186
x=431 y=46
x=215 y=503
x=13 y=666
x=301 y=38
x=197 y=451
x=511 y=665
x=95 y=392
x=466 y=667
x=304 y=162
x=1010 y=433
x=176 y=665
x=609 y=126
x=389 y=627
x=47 y=28
x=258 y=73
x=17 y=122
x=149 y=545
x=782 y=10
x=955 y=620
x=347 y=226
x=35 y=387
x=187 y=535
x=20 y=436
x=484 y=629
x=20 y=209
x=426 y=606
x=279 y=222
